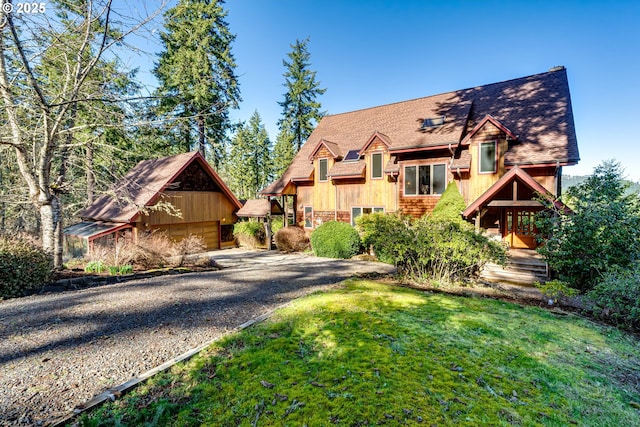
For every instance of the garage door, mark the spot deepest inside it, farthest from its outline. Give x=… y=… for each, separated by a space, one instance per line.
x=207 y=230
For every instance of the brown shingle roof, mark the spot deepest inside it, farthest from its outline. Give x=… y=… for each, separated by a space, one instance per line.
x=142 y=185
x=257 y=208
x=392 y=165
x=344 y=169
x=535 y=108
x=463 y=162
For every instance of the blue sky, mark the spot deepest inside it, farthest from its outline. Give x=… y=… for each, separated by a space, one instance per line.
x=377 y=52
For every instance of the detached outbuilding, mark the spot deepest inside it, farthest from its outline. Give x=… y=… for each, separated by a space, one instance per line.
x=180 y=195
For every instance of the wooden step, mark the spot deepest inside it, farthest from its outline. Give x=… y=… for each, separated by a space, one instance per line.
x=518 y=278
x=540 y=269
x=523 y=268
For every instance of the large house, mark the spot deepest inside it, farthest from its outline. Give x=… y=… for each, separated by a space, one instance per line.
x=179 y=195
x=503 y=144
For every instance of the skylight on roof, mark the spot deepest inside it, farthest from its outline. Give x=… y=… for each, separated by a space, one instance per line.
x=432 y=122
x=352 y=156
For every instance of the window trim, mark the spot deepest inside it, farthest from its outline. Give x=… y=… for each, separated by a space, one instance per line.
x=495 y=157
x=374 y=209
x=431 y=175
x=304 y=216
x=381 y=154
x=326 y=178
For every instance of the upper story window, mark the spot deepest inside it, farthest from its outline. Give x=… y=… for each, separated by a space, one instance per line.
x=323 y=165
x=423 y=180
x=376 y=165
x=487 y=157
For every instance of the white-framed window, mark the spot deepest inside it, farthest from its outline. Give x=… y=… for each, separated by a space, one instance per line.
x=376 y=165
x=487 y=158
x=356 y=211
x=308 y=217
x=424 y=180
x=323 y=166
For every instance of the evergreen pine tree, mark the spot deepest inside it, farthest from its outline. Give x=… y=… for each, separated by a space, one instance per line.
x=196 y=71
x=261 y=161
x=300 y=109
x=249 y=167
x=283 y=152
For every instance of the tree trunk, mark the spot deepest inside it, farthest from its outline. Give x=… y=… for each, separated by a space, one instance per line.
x=58 y=235
x=2 y=204
x=91 y=179
x=47 y=225
x=64 y=151
x=201 y=138
x=51 y=228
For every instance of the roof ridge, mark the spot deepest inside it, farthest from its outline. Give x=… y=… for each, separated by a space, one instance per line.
x=552 y=71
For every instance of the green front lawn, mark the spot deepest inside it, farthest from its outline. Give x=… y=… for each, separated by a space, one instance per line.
x=372 y=354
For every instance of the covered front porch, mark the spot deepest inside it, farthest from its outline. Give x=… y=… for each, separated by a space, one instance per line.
x=508 y=208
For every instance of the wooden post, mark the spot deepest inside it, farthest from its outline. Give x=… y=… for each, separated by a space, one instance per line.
x=479 y=214
x=295 y=207
x=267 y=226
x=285 y=216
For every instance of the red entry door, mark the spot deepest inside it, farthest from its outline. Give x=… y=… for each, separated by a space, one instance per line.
x=520 y=229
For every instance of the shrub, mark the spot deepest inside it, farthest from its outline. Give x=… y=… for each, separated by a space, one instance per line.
x=152 y=250
x=438 y=249
x=554 y=290
x=450 y=206
x=276 y=224
x=335 y=239
x=448 y=251
x=292 y=239
x=616 y=298
x=23 y=266
x=190 y=245
x=250 y=233
x=376 y=230
x=602 y=232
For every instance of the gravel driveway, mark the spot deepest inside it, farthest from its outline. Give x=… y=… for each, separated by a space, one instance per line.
x=59 y=350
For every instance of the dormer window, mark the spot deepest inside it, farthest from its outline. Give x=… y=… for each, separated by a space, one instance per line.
x=432 y=122
x=376 y=165
x=488 y=159
x=323 y=165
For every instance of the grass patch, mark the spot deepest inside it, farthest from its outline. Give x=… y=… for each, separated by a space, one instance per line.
x=372 y=354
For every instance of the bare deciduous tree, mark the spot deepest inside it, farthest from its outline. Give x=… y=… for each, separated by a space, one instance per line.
x=47 y=59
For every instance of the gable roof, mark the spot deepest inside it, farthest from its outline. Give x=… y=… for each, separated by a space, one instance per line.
x=258 y=208
x=144 y=184
x=536 y=108
x=506 y=179
x=333 y=148
x=488 y=119
x=376 y=135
